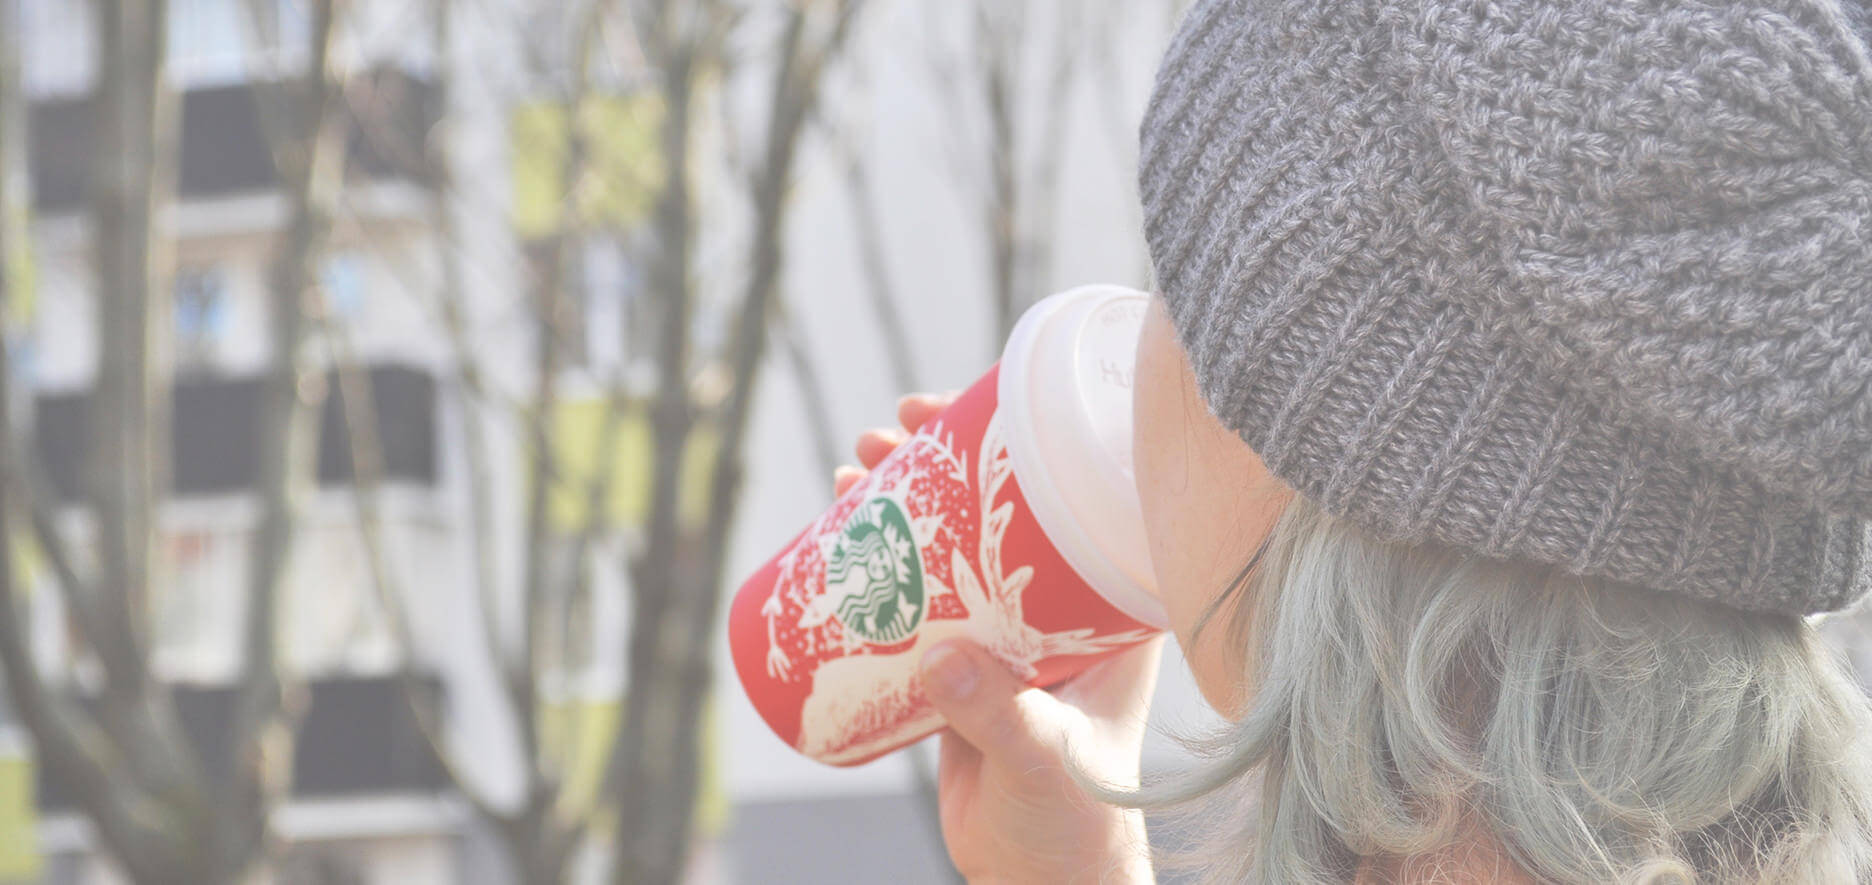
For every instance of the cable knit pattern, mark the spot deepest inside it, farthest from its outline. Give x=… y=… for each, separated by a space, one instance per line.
x=1586 y=283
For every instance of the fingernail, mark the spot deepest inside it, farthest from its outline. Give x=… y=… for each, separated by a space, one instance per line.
x=845 y=470
x=949 y=673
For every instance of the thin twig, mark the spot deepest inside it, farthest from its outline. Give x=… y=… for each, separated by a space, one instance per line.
x=816 y=404
x=357 y=398
x=880 y=286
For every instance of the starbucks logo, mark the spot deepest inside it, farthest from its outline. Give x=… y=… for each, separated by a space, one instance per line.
x=875 y=574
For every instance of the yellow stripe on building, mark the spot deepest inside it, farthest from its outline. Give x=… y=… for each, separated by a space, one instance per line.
x=19 y=821
x=621 y=165
x=580 y=734
x=578 y=427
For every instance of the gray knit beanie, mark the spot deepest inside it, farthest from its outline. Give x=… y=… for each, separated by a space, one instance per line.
x=1584 y=282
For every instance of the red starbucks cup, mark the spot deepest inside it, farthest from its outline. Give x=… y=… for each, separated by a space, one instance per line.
x=1011 y=518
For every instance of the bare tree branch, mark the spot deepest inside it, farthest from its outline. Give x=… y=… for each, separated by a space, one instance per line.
x=669 y=652
x=812 y=388
x=133 y=181
x=1013 y=168
x=132 y=178
x=655 y=570
x=1037 y=236
x=357 y=400
x=15 y=279
x=452 y=303
x=539 y=835
x=67 y=742
x=1111 y=31
x=542 y=857
x=311 y=160
x=1003 y=192
x=879 y=286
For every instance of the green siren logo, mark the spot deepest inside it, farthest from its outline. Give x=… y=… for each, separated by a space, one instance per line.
x=874 y=576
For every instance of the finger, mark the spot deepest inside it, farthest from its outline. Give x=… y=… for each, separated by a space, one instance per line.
x=1119 y=688
x=956 y=758
x=844 y=478
x=876 y=445
x=915 y=410
x=958 y=770
x=1014 y=727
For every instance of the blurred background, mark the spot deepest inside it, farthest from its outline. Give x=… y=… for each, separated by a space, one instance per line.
x=395 y=390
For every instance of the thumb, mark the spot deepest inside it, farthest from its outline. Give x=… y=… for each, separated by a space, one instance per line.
x=1014 y=726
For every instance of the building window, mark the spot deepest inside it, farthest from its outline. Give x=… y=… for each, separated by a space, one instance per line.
x=565 y=290
x=567 y=625
x=197 y=607
x=219 y=41
x=550 y=43
x=201 y=319
x=606 y=329
x=343 y=279
x=206 y=40
x=285 y=25
x=23 y=360
x=59 y=54
x=612 y=286
x=581 y=621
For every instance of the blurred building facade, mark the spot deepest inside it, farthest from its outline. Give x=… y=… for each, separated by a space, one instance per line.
x=370 y=802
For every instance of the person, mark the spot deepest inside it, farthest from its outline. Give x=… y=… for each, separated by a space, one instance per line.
x=1503 y=421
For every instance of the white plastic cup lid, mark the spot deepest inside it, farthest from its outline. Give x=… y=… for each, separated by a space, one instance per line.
x=1065 y=394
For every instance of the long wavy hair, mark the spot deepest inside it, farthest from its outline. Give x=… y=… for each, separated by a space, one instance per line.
x=1601 y=732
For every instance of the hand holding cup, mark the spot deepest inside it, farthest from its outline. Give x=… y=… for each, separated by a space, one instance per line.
x=1003 y=516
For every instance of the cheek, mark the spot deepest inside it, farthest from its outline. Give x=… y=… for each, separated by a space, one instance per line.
x=1180 y=525
x=1199 y=543
x=1207 y=500
x=1166 y=485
